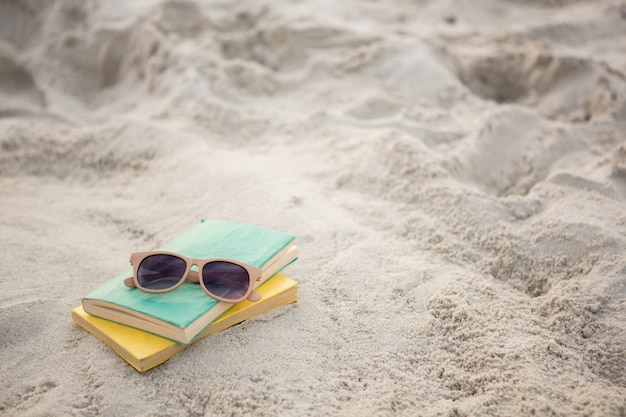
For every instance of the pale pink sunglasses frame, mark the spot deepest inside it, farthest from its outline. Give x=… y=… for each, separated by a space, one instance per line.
x=254 y=275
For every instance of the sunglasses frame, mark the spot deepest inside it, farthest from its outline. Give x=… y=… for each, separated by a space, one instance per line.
x=254 y=275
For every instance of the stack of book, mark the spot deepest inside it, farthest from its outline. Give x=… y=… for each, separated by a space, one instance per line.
x=146 y=329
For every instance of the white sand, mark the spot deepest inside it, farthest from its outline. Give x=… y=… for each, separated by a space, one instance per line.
x=455 y=173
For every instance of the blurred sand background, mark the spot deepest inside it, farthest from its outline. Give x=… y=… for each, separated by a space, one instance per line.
x=455 y=172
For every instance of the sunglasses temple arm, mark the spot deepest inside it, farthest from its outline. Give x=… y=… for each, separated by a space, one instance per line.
x=254 y=296
x=130 y=282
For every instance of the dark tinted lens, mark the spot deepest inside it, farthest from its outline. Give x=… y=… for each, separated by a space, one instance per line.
x=158 y=272
x=225 y=279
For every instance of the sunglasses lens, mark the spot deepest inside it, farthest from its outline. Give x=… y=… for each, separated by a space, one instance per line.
x=226 y=280
x=159 y=272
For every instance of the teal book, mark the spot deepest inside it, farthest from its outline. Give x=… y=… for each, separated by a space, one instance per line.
x=181 y=315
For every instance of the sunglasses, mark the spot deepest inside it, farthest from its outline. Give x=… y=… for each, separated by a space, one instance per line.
x=223 y=279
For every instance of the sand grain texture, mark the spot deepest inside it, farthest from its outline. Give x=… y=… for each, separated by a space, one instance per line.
x=455 y=173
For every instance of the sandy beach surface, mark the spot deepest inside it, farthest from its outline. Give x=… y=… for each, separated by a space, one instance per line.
x=454 y=171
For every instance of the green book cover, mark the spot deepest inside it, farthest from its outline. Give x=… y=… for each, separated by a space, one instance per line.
x=188 y=305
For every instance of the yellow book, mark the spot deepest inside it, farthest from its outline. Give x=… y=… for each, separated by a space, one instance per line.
x=145 y=350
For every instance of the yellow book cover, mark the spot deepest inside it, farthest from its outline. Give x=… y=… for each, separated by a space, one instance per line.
x=145 y=350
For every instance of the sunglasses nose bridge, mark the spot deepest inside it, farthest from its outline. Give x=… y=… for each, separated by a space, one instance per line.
x=194 y=274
